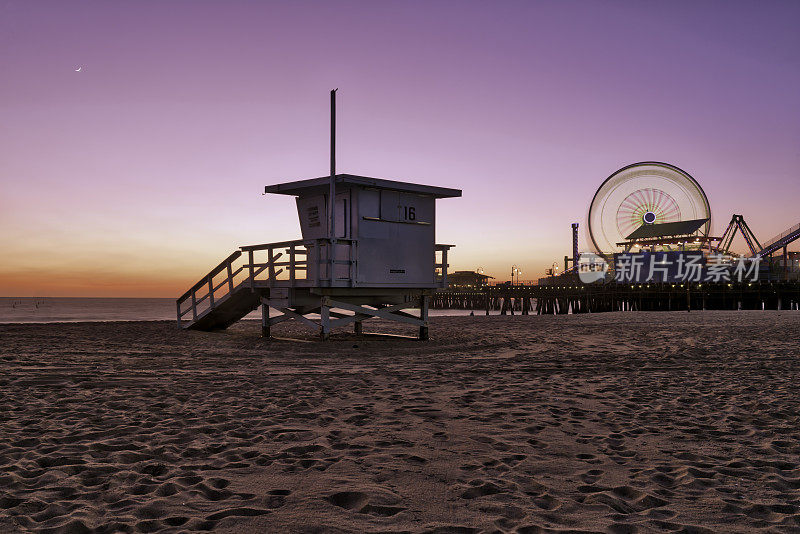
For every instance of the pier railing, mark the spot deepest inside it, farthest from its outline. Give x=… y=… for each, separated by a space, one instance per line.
x=778 y=241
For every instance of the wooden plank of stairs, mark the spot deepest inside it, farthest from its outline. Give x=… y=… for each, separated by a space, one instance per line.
x=229 y=309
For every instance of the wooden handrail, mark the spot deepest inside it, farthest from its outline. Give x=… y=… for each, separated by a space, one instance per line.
x=253 y=269
x=288 y=263
x=258 y=271
x=227 y=281
x=292 y=265
x=307 y=256
x=280 y=244
x=266 y=246
x=196 y=302
x=444 y=265
x=216 y=270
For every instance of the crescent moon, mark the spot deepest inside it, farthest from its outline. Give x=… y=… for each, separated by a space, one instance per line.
x=78 y=69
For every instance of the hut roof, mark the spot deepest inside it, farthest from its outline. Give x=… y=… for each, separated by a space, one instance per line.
x=316 y=185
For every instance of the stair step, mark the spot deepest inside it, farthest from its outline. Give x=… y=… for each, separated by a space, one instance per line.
x=228 y=310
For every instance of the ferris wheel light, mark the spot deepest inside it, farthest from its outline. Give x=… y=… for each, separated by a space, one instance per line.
x=640 y=194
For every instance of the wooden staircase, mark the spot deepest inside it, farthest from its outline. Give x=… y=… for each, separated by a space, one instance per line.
x=228 y=309
x=238 y=285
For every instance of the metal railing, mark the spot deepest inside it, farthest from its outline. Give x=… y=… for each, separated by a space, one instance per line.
x=793 y=230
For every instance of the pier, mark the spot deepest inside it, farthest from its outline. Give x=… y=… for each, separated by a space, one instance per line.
x=582 y=298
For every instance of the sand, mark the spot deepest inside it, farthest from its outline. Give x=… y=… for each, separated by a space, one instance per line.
x=617 y=422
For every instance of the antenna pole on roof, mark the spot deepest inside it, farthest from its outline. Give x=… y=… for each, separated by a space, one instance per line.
x=332 y=193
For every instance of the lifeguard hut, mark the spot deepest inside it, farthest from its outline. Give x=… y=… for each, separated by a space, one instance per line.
x=375 y=256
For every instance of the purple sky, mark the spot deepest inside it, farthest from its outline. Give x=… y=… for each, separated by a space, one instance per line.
x=145 y=169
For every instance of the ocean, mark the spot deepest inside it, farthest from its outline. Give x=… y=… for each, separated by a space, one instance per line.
x=79 y=309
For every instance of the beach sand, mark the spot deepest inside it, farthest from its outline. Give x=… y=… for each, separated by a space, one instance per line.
x=616 y=422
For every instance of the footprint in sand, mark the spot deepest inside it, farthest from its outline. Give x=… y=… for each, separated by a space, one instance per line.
x=359 y=502
x=622 y=499
x=241 y=511
x=547 y=502
x=349 y=500
x=481 y=488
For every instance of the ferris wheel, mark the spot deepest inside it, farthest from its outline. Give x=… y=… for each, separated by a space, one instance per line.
x=643 y=193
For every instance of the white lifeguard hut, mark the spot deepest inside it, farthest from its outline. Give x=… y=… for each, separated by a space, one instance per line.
x=375 y=257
